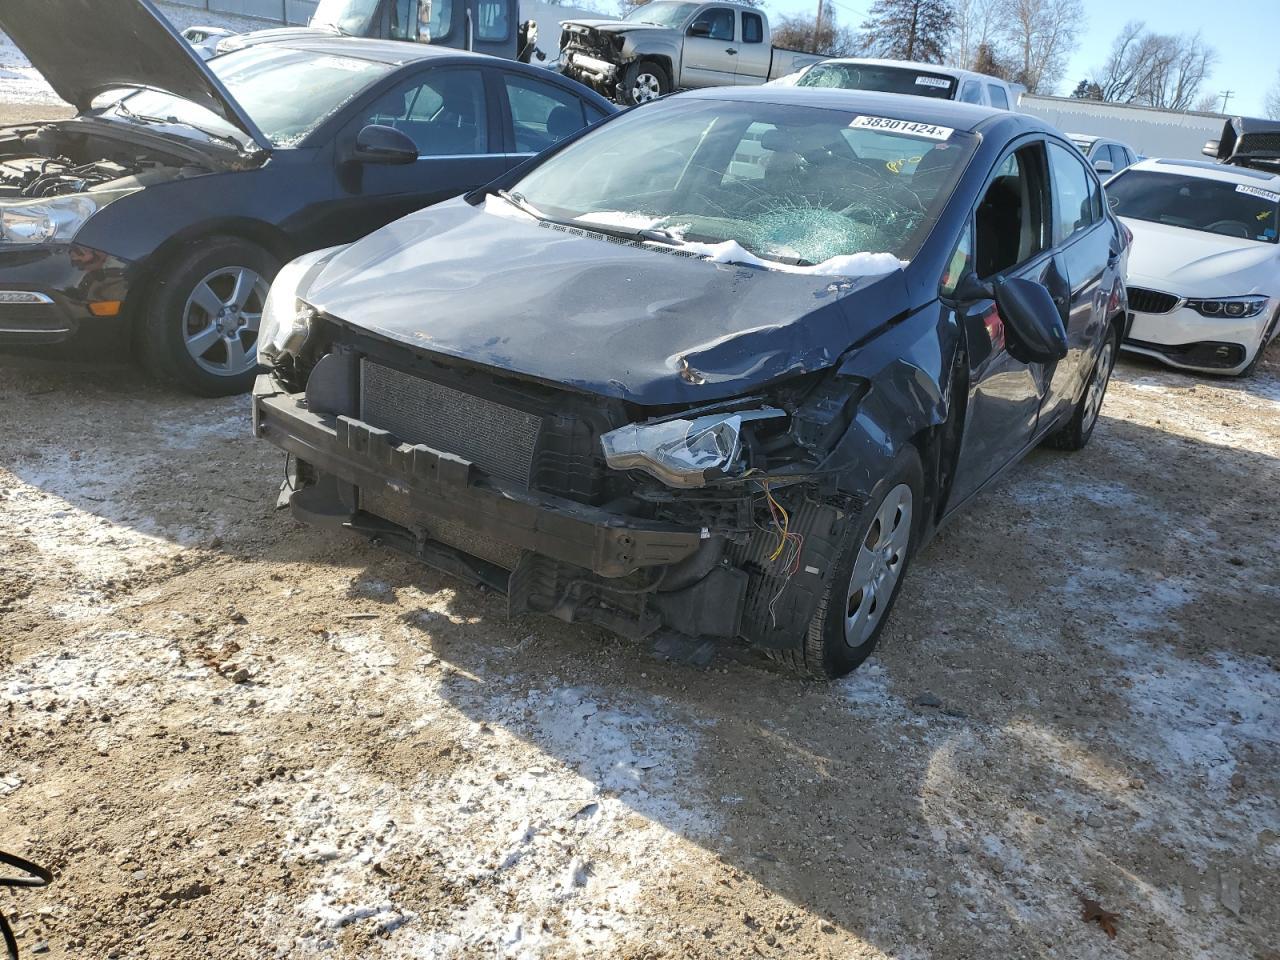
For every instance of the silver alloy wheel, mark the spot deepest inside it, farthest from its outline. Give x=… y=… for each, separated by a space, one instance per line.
x=878 y=566
x=647 y=87
x=1098 y=385
x=220 y=321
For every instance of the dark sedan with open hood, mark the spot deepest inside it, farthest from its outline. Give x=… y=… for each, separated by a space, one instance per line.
x=165 y=207
x=718 y=366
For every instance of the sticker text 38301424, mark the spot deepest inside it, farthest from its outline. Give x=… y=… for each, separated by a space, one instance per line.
x=909 y=128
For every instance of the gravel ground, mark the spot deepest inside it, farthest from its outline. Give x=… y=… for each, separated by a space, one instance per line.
x=233 y=736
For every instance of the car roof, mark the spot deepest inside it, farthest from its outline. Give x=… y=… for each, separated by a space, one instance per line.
x=957 y=72
x=1209 y=170
x=391 y=52
x=945 y=113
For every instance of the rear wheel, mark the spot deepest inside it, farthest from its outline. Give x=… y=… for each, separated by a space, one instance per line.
x=199 y=326
x=1079 y=428
x=643 y=81
x=877 y=547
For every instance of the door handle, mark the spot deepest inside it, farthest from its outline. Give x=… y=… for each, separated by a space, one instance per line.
x=731 y=51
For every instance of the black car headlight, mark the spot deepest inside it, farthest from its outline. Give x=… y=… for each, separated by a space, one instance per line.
x=1234 y=307
x=683 y=452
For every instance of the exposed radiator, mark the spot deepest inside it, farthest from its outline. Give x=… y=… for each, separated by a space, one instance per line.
x=498 y=439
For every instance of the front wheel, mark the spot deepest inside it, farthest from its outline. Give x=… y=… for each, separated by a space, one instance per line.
x=643 y=81
x=199 y=326
x=1084 y=418
x=877 y=546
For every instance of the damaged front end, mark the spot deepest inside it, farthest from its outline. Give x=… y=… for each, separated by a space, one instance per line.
x=716 y=521
x=593 y=57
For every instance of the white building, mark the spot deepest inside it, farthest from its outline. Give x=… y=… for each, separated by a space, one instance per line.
x=1152 y=132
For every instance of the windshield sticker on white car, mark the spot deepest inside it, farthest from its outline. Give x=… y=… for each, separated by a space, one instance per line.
x=908 y=128
x=1258 y=192
x=938 y=82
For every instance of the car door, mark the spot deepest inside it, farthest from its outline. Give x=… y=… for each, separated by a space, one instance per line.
x=754 y=55
x=451 y=115
x=1084 y=238
x=710 y=49
x=539 y=113
x=1008 y=235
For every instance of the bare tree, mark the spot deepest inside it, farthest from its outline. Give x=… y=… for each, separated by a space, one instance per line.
x=976 y=24
x=829 y=39
x=1156 y=69
x=908 y=29
x=1042 y=35
x=1272 y=103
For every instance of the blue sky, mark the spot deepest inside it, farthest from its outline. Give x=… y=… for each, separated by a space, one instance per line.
x=1249 y=29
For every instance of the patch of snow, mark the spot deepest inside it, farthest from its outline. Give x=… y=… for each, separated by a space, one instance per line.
x=846 y=265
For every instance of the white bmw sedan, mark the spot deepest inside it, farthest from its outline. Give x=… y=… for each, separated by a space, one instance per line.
x=1204 y=270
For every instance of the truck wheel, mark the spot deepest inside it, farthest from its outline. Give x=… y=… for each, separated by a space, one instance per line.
x=643 y=81
x=199 y=326
x=875 y=549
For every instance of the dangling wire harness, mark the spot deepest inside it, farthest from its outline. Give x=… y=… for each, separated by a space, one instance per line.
x=35 y=877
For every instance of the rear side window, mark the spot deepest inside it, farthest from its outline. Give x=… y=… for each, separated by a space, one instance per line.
x=541 y=113
x=971 y=92
x=752 y=28
x=998 y=97
x=1076 y=202
x=404 y=20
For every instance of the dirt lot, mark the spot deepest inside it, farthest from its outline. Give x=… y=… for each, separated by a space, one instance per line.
x=234 y=737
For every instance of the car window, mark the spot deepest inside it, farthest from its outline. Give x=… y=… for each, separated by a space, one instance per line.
x=786 y=182
x=541 y=113
x=1012 y=217
x=443 y=112
x=435 y=19
x=872 y=76
x=971 y=92
x=404 y=20
x=959 y=263
x=1074 y=202
x=720 y=22
x=492 y=22
x=997 y=95
x=1197 y=203
x=1119 y=157
x=752 y=28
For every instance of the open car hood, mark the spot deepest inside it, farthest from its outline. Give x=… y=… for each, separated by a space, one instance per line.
x=575 y=310
x=84 y=48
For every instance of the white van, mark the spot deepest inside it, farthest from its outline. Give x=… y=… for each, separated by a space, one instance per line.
x=904 y=76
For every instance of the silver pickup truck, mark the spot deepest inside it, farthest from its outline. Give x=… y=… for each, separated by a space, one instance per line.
x=667 y=45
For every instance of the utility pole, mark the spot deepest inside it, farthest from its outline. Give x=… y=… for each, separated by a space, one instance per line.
x=1226 y=96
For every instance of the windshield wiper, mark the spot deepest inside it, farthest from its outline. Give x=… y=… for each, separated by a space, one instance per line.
x=518 y=201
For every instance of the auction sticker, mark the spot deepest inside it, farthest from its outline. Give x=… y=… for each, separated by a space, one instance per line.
x=1258 y=192
x=940 y=82
x=908 y=128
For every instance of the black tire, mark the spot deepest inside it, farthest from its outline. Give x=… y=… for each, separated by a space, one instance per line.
x=1075 y=435
x=1267 y=336
x=635 y=82
x=826 y=653
x=165 y=320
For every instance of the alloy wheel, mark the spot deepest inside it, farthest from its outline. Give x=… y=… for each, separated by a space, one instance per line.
x=646 y=87
x=1098 y=385
x=221 y=318
x=882 y=555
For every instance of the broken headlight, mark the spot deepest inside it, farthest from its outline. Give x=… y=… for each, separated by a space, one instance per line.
x=286 y=320
x=683 y=452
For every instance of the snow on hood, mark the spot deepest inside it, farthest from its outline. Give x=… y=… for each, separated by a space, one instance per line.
x=1196 y=263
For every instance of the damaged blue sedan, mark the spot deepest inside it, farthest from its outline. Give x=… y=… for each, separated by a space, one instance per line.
x=717 y=366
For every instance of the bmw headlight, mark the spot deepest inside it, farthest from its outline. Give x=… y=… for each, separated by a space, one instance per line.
x=1233 y=307
x=286 y=320
x=50 y=220
x=683 y=452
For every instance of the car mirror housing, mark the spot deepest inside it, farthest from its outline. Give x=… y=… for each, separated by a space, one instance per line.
x=1032 y=318
x=700 y=28
x=381 y=144
x=1104 y=166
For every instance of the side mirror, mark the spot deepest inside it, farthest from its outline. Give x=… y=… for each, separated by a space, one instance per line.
x=700 y=28
x=1210 y=148
x=1031 y=316
x=1104 y=166
x=379 y=144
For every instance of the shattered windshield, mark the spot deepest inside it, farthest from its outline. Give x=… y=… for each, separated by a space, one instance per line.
x=859 y=76
x=662 y=14
x=286 y=92
x=751 y=181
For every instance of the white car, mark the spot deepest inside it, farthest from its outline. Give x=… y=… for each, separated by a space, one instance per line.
x=206 y=39
x=1105 y=156
x=906 y=76
x=1204 y=269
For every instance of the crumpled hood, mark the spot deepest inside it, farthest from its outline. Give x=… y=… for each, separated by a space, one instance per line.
x=86 y=47
x=1192 y=263
x=610 y=318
